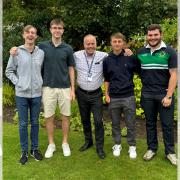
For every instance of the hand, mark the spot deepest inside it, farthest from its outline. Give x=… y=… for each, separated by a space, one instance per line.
x=107 y=99
x=128 y=52
x=72 y=95
x=13 y=51
x=166 y=102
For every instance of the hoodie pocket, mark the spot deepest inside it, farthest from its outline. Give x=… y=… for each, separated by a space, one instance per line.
x=37 y=83
x=22 y=84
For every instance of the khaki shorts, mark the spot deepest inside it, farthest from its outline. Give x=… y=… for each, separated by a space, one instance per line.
x=52 y=96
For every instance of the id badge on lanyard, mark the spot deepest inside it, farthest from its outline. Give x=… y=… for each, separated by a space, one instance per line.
x=89 y=77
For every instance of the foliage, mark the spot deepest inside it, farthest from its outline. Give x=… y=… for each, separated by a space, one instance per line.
x=75 y=123
x=106 y=16
x=169 y=28
x=97 y=17
x=137 y=92
x=136 y=41
x=8 y=95
x=57 y=113
x=42 y=121
x=108 y=128
x=124 y=132
x=100 y=18
x=16 y=117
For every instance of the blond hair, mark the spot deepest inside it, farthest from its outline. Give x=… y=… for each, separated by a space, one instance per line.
x=118 y=35
x=57 y=22
x=28 y=27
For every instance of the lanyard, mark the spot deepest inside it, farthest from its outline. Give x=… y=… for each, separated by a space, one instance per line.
x=89 y=67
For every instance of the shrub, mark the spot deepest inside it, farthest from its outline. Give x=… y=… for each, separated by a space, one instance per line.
x=75 y=123
x=16 y=117
x=137 y=92
x=169 y=28
x=124 y=131
x=8 y=95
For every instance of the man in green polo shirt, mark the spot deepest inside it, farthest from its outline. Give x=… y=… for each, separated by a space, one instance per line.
x=159 y=79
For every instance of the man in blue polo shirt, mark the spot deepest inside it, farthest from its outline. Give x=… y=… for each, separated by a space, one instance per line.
x=159 y=79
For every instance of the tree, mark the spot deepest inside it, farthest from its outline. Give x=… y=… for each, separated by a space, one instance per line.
x=81 y=17
x=106 y=16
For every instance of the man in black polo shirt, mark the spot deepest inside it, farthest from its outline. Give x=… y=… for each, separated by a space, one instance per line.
x=159 y=79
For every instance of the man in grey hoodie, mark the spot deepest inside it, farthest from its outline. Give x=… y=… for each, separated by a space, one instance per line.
x=24 y=70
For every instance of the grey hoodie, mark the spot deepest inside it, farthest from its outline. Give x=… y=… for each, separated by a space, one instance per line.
x=24 y=70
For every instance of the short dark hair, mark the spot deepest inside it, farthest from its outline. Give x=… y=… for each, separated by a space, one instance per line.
x=118 y=35
x=57 y=21
x=154 y=27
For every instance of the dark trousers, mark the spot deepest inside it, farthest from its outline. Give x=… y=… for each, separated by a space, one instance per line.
x=33 y=104
x=91 y=102
x=153 y=106
x=128 y=107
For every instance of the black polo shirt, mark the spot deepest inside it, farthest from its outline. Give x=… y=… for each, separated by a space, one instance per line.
x=56 y=64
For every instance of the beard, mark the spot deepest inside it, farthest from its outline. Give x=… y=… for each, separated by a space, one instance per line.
x=158 y=42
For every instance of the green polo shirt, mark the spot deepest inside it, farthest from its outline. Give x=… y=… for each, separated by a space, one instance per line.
x=155 y=69
x=56 y=64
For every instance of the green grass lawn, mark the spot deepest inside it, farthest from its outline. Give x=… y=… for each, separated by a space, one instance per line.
x=82 y=166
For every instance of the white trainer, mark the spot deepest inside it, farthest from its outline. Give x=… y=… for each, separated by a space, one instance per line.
x=172 y=158
x=132 y=152
x=50 y=150
x=149 y=155
x=66 y=149
x=116 y=149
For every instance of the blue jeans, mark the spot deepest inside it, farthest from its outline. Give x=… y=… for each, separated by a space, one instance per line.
x=33 y=104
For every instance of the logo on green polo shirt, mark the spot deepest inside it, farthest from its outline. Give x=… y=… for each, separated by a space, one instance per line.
x=162 y=54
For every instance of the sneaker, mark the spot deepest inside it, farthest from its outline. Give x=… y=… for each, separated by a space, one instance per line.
x=66 y=149
x=172 y=158
x=149 y=155
x=132 y=152
x=50 y=150
x=24 y=158
x=36 y=154
x=116 y=149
